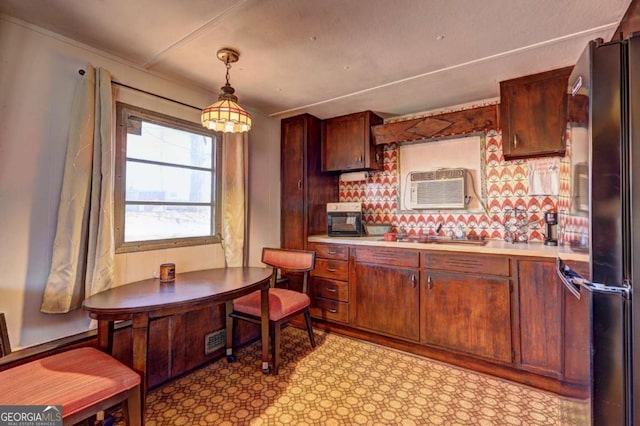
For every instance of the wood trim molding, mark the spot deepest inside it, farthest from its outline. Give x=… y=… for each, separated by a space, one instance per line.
x=437 y=126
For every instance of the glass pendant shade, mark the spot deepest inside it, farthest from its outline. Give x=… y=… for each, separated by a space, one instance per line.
x=227 y=116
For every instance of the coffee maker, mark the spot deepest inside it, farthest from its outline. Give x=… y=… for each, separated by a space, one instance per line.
x=551 y=234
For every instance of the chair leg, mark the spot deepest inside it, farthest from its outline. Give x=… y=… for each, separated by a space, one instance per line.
x=229 y=326
x=307 y=320
x=134 y=410
x=275 y=345
x=272 y=347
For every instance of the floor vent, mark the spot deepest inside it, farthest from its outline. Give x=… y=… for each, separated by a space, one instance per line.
x=214 y=341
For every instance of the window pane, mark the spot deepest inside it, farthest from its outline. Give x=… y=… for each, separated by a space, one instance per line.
x=152 y=182
x=166 y=181
x=164 y=144
x=144 y=222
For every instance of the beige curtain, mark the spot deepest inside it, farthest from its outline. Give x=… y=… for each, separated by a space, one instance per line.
x=83 y=254
x=234 y=198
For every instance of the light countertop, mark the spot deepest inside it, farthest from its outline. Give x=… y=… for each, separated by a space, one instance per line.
x=491 y=247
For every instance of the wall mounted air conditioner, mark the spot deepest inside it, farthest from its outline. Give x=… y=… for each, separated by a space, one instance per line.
x=437 y=189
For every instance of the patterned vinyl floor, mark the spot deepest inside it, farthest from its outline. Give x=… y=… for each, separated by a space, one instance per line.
x=349 y=382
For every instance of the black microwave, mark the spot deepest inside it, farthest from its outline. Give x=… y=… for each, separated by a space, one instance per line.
x=344 y=219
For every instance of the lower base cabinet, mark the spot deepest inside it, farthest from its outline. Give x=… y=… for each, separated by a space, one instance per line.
x=468 y=314
x=387 y=300
x=540 y=300
x=505 y=315
x=385 y=291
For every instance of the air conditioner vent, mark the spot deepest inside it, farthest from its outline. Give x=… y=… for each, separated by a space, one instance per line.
x=437 y=189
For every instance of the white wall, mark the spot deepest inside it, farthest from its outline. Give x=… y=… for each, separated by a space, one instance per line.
x=38 y=76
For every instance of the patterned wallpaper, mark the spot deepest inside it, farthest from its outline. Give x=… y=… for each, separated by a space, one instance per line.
x=508 y=201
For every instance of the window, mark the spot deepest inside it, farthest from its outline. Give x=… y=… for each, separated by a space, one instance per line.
x=167 y=181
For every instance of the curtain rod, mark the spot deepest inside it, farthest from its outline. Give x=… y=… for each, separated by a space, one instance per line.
x=82 y=72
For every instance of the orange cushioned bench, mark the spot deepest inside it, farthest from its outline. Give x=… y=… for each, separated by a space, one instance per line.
x=83 y=381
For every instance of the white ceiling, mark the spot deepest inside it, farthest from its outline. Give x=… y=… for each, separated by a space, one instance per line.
x=333 y=57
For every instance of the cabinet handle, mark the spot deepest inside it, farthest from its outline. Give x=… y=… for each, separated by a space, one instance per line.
x=331 y=270
x=333 y=311
x=300 y=184
x=360 y=159
x=413 y=280
x=429 y=282
x=515 y=141
x=332 y=290
x=377 y=158
x=333 y=252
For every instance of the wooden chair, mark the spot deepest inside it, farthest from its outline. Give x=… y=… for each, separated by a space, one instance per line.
x=83 y=381
x=284 y=304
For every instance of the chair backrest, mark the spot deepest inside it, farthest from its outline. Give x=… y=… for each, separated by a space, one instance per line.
x=289 y=260
x=5 y=346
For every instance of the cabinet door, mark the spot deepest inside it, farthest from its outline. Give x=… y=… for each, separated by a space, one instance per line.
x=343 y=143
x=160 y=349
x=293 y=212
x=533 y=114
x=540 y=298
x=387 y=299
x=468 y=313
x=347 y=143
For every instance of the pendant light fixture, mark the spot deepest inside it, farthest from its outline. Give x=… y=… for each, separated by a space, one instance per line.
x=226 y=115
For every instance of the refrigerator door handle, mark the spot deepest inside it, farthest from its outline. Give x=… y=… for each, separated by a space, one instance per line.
x=570 y=279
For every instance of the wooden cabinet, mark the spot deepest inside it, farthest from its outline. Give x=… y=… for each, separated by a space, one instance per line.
x=347 y=143
x=532 y=114
x=386 y=291
x=468 y=314
x=553 y=341
x=466 y=307
x=329 y=287
x=503 y=315
x=540 y=301
x=177 y=342
x=305 y=190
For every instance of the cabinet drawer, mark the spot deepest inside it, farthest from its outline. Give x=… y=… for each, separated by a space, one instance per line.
x=491 y=265
x=330 y=289
x=330 y=251
x=334 y=269
x=387 y=256
x=329 y=310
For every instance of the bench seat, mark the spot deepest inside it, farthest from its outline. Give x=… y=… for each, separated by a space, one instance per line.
x=83 y=381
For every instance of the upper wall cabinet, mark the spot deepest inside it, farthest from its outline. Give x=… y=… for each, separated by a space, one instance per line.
x=347 y=144
x=532 y=114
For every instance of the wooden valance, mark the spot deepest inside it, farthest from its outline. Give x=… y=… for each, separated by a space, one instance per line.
x=437 y=126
